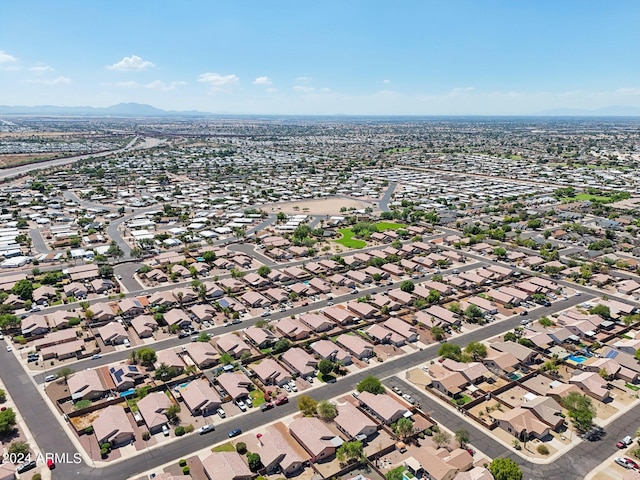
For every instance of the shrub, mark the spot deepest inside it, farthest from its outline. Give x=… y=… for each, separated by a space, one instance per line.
x=543 y=450
x=88 y=430
x=241 y=448
x=182 y=462
x=179 y=431
x=37 y=476
x=104 y=452
x=185 y=470
x=460 y=401
x=146 y=436
x=189 y=428
x=105 y=446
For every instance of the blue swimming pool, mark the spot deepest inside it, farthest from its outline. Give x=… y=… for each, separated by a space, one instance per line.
x=577 y=358
x=128 y=393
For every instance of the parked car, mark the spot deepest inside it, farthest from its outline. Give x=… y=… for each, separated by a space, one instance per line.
x=165 y=430
x=241 y=405
x=524 y=313
x=622 y=462
x=631 y=462
x=221 y=413
x=249 y=402
x=8 y=348
x=50 y=464
x=50 y=378
x=96 y=356
x=206 y=428
x=266 y=406
x=235 y=432
x=26 y=466
x=281 y=400
x=625 y=442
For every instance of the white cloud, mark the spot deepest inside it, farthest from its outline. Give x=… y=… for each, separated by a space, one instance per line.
x=6 y=58
x=459 y=91
x=262 y=81
x=325 y=90
x=219 y=82
x=628 y=91
x=385 y=93
x=54 y=81
x=130 y=64
x=386 y=81
x=303 y=79
x=163 y=86
x=301 y=89
x=40 y=69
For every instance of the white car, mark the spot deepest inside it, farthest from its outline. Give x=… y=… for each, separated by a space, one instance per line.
x=221 y=412
x=8 y=348
x=165 y=430
x=623 y=462
x=249 y=402
x=287 y=387
x=206 y=428
x=241 y=405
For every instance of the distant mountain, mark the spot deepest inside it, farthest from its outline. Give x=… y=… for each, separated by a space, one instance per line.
x=611 y=111
x=119 y=110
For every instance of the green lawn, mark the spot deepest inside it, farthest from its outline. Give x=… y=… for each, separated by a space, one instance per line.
x=635 y=388
x=389 y=226
x=225 y=447
x=466 y=399
x=584 y=197
x=397 y=150
x=257 y=397
x=348 y=241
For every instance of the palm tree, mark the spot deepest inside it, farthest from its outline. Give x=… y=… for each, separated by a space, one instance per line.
x=133 y=356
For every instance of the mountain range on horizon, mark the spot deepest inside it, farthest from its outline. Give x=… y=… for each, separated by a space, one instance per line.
x=133 y=109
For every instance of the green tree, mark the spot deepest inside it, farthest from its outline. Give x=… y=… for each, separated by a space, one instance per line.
x=395 y=473
x=325 y=366
x=371 y=384
x=350 y=451
x=254 y=461
x=327 y=410
x=450 y=350
x=19 y=448
x=172 y=412
x=477 y=350
x=603 y=310
x=23 y=289
x=281 y=346
x=307 y=405
x=226 y=359
x=441 y=438
x=407 y=286
x=264 y=271
x=7 y=421
x=403 y=427
x=462 y=437
x=433 y=297
x=437 y=332
x=105 y=271
x=581 y=410
x=473 y=312
x=147 y=356
x=65 y=373
x=203 y=337
x=505 y=469
x=500 y=252
x=3 y=396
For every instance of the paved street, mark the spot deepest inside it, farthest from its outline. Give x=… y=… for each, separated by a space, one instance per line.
x=52 y=438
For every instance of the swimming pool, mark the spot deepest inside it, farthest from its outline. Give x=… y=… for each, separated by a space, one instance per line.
x=515 y=376
x=128 y=393
x=577 y=358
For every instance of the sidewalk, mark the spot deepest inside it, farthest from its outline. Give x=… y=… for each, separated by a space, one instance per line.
x=28 y=437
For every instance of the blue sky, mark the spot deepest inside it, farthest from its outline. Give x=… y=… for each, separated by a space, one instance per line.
x=400 y=57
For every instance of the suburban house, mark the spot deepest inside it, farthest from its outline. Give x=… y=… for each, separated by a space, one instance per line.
x=113 y=333
x=86 y=385
x=271 y=372
x=233 y=345
x=260 y=337
x=152 y=408
x=125 y=376
x=279 y=452
x=449 y=382
x=299 y=361
x=353 y=423
x=592 y=384
x=399 y=326
x=326 y=349
x=384 y=407
x=144 y=325
x=113 y=426
x=34 y=325
x=176 y=316
x=203 y=354
x=227 y=466
x=356 y=345
x=315 y=437
x=200 y=398
x=292 y=328
x=236 y=384
x=317 y=323
x=171 y=359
